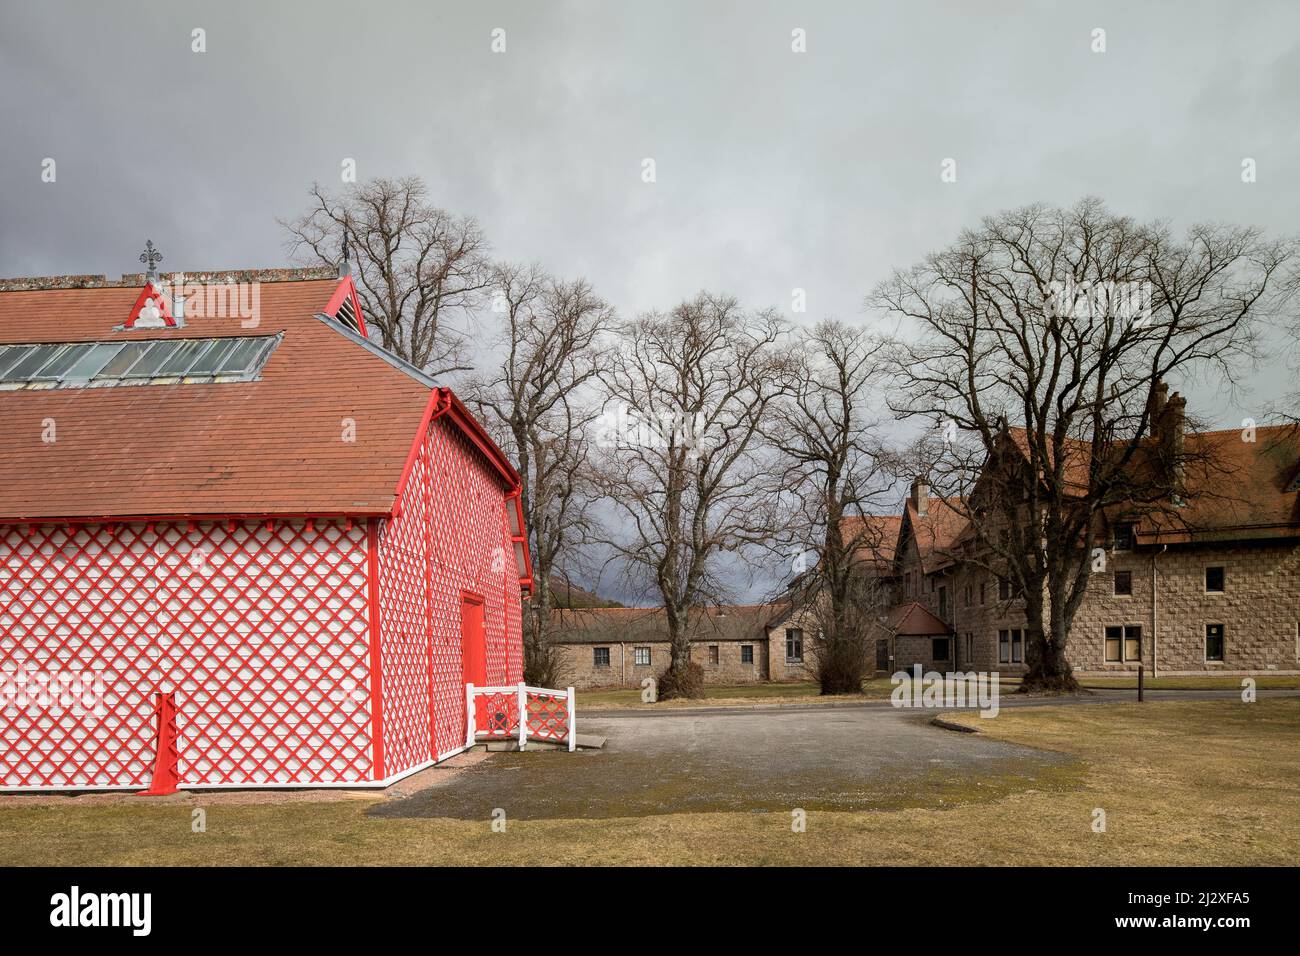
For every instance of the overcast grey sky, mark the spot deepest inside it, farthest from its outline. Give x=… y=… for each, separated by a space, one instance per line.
x=775 y=169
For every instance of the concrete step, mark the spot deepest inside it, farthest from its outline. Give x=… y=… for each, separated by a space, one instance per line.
x=585 y=741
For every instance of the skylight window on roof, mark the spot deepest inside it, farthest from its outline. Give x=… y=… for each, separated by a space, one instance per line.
x=159 y=361
x=153 y=359
x=124 y=358
x=184 y=357
x=31 y=363
x=10 y=356
x=211 y=359
x=54 y=369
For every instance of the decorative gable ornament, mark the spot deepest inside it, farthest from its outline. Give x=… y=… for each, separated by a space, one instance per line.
x=151 y=310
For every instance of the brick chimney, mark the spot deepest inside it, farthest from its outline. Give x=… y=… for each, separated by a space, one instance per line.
x=1156 y=404
x=920 y=494
x=1172 y=427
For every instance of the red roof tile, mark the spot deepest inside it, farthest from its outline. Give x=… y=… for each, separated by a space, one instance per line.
x=273 y=446
x=937 y=531
x=875 y=535
x=1235 y=488
x=912 y=620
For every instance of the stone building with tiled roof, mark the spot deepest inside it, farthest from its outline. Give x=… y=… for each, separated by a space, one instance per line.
x=1204 y=583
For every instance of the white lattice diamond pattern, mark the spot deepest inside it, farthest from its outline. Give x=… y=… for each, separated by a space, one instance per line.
x=261 y=630
x=455 y=505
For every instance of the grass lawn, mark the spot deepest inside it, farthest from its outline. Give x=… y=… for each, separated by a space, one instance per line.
x=1181 y=782
x=1264 y=682
x=729 y=695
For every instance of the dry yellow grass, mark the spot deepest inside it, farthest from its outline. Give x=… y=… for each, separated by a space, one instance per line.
x=1205 y=782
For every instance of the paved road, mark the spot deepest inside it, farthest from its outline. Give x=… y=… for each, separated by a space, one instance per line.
x=755 y=760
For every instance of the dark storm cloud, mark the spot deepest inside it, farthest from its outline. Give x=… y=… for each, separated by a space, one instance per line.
x=775 y=170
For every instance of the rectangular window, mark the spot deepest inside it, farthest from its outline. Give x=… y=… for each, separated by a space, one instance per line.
x=983 y=589
x=939 y=649
x=970 y=647
x=746 y=653
x=1214 y=580
x=1124 y=536
x=1123 y=643
x=1124 y=583
x=1004 y=647
x=1132 y=643
x=601 y=656
x=1214 y=642
x=713 y=655
x=969 y=594
x=1114 y=645
x=1004 y=589
x=1017 y=646
x=793 y=644
x=641 y=656
x=943 y=603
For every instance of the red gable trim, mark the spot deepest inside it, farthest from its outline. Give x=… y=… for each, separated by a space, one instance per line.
x=347 y=290
x=442 y=402
x=519 y=539
x=151 y=291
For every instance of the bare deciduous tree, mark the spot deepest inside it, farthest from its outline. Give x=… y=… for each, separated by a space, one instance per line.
x=687 y=395
x=834 y=473
x=420 y=269
x=1046 y=335
x=552 y=347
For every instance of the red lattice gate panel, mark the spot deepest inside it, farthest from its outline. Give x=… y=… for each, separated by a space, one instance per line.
x=260 y=629
x=451 y=537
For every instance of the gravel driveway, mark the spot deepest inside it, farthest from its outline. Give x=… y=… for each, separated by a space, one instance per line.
x=822 y=759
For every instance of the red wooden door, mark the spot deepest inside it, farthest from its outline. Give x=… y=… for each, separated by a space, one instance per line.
x=473 y=650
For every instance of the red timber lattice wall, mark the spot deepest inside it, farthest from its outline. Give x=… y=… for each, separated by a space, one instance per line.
x=450 y=536
x=260 y=630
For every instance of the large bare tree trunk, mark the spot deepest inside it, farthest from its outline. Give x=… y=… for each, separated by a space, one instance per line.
x=1042 y=342
x=687 y=394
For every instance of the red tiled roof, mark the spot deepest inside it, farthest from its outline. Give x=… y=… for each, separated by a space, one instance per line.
x=912 y=620
x=1231 y=485
x=1235 y=488
x=1078 y=454
x=876 y=535
x=936 y=531
x=273 y=446
x=601 y=625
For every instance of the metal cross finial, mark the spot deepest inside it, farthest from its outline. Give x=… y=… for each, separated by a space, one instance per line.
x=151 y=257
x=345 y=267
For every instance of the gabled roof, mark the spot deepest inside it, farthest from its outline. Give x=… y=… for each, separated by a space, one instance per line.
x=936 y=532
x=912 y=620
x=275 y=446
x=629 y=625
x=877 y=537
x=1077 y=454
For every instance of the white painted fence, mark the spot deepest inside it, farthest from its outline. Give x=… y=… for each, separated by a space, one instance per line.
x=493 y=713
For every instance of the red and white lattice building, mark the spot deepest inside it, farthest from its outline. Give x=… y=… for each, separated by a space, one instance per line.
x=239 y=552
